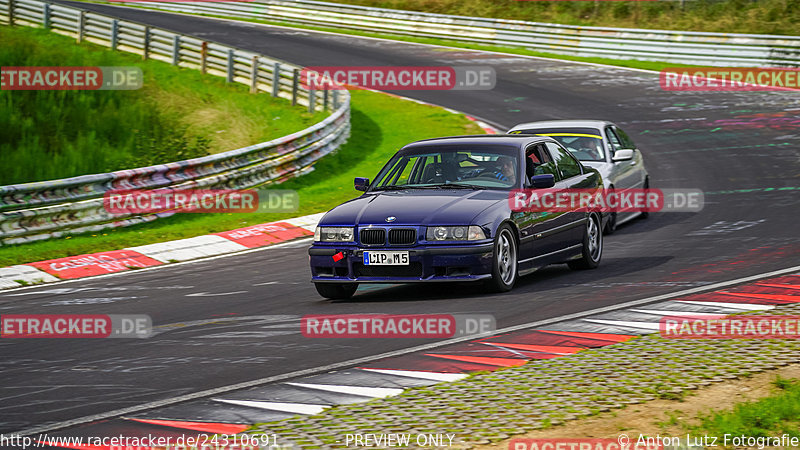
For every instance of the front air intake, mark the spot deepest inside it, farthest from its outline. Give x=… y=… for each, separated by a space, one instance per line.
x=373 y=236
x=402 y=236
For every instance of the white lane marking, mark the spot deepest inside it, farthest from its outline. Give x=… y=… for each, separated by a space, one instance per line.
x=736 y=306
x=353 y=390
x=404 y=351
x=265 y=284
x=164 y=266
x=295 y=408
x=214 y=294
x=520 y=352
x=60 y=291
x=627 y=324
x=435 y=376
x=48 y=291
x=664 y=312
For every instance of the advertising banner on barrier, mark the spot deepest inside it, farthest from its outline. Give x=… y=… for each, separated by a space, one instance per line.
x=264 y=234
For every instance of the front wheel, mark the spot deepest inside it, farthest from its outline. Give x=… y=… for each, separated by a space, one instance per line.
x=611 y=224
x=336 y=291
x=592 y=245
x=504 y=261
x=645 y=214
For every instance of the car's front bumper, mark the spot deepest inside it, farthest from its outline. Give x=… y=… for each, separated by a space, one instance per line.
x=426 y=264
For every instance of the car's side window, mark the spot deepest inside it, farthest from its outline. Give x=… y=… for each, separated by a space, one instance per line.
x=627 y=142
x=539 y=162
x=565 y=162
x=612 y=137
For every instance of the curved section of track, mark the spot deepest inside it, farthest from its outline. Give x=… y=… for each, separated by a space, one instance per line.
x=235 y=319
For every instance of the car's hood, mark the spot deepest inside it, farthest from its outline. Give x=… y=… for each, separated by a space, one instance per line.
x=415 y=207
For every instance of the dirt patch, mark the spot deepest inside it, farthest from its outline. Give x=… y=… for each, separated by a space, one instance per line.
x=664 y=417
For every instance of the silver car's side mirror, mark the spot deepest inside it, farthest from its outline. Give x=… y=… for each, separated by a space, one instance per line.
x=622 y=155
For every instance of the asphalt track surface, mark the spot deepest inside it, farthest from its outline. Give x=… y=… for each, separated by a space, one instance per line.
x=235 y=319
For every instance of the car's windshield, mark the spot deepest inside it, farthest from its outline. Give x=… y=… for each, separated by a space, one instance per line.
x=586 y=144
x=479 y=167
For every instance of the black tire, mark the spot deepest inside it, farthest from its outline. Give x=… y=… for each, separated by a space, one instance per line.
x=611 y=224
x=504 y=261
x=645 y=214
x=592 y=246
x=336 y=291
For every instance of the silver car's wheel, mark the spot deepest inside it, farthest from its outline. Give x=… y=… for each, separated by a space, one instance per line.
x=611 y=224
x=645 y=214
x=504 y=264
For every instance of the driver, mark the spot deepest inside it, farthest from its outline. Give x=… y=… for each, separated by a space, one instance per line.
x=588 y=146
x=506 y=171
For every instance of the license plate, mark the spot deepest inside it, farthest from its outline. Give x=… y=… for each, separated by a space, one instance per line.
x=385 y=258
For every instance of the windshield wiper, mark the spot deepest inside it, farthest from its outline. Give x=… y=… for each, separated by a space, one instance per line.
x=391 y=187
x=455 y=186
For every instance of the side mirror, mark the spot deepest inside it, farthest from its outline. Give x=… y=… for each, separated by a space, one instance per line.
x=542 y=181
x=622 y=155
x=361 y=184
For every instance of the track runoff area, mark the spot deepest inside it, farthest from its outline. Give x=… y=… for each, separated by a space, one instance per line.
x=228 y=348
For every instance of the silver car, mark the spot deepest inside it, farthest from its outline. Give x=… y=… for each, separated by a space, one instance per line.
x=602 y=146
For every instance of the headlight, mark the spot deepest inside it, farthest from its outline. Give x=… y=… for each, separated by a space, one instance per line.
x=460 y=233
x=333 y=234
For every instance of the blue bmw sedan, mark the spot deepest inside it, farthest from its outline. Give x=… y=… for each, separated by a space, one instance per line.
x=439 y=211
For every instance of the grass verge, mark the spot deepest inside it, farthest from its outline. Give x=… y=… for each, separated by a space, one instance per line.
x=381 y=124
x=771 y=416
x=177 y=114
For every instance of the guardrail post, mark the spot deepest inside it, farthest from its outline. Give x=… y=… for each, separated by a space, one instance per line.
x=46 y=16
x=335 y=99
x=230 y=74
x=10 y=12
x=114 y=33
x=254 y=75
x=203 y=56
x=176 y=50
x=146 y=52
x=295 y=81
x=81 y=25
x=325 y=97
x=312 y=100
x=276 y=79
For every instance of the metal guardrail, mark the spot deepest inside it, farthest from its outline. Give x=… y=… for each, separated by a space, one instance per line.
x=48 y=209
x=683 y=47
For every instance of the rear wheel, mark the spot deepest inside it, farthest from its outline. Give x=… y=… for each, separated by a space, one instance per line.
x=504 y=262
x=336 y=291
x=592 y=245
